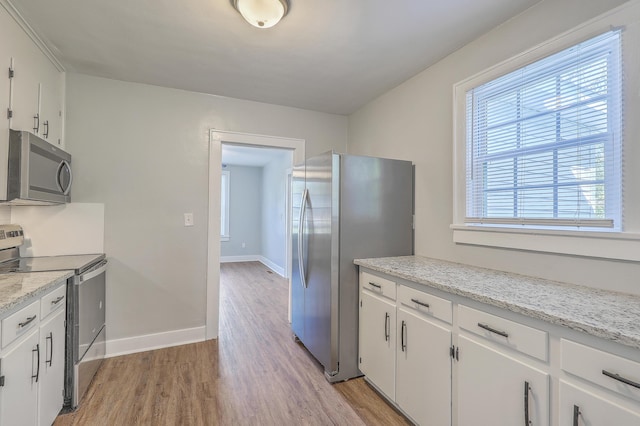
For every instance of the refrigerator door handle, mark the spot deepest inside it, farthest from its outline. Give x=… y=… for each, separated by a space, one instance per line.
x=303 y=210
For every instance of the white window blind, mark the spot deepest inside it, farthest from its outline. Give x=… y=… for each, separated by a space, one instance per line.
x=544 y=142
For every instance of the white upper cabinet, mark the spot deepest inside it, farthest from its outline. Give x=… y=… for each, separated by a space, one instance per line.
x=32 y=87
x=51 y=95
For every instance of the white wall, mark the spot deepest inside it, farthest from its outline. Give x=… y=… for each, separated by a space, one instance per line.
x=274 y=215
x=143 y=152
x=414 y=122
x=245 y=211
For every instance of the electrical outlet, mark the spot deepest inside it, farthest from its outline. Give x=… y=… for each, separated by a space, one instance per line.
x=188 y=219
x=244 y=245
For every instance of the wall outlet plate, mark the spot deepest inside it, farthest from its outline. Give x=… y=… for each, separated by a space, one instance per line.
x=188 y=219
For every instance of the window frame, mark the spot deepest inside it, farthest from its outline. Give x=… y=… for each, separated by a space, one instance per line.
x=480 y=148
x=619 y=245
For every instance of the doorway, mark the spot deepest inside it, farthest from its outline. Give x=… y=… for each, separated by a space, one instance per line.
x=218 y=139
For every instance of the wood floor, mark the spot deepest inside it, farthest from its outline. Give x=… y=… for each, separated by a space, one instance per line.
x=253 y=374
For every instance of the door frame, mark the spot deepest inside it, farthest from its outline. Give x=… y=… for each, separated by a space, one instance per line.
x=216 y=139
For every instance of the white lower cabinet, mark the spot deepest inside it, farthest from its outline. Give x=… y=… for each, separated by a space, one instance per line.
x=405 y=348
x=51 y=389
x=580 y=407
x=423 y=369
x=32 y=362
x=19 y=371
x=449 y=360
x=377 y=344
x=496 y=389
x=599 y=387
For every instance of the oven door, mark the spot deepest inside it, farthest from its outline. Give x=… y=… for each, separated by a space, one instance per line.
x=88 y=366
x=90 y=318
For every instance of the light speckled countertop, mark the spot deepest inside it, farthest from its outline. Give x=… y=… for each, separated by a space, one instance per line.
x=601 y=313
x=18 y=288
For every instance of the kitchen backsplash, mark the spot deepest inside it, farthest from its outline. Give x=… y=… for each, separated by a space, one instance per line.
x=74 y=228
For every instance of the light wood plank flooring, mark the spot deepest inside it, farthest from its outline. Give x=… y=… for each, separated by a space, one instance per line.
x=254 y=374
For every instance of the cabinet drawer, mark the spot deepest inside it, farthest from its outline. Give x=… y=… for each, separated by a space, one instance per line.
x=17 y=324
x=53 y=301
x=519 y=337
x=378 y=285
x=610 y=371
x=425 y=303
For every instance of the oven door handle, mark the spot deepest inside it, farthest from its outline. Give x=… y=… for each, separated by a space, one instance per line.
x=94 y=273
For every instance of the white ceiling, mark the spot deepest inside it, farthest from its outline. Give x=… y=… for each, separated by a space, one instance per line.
x=325 y=55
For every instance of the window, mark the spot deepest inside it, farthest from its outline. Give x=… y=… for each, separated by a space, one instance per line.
x=224 y=206
x=543 y=143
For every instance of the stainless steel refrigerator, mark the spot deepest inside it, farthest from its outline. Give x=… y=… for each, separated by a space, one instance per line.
x=345 y=207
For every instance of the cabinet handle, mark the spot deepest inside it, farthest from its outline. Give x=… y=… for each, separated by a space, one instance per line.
x=57 y=300
x=619 y=378
x=378 y=286
x=28 y=321
x=527 y=388
x=386 y=326
x=37 y=351
x=493 y=330
x=403 y=332
x=45 y=126
x=50 y=360
x=576 y=415
x=416 y=301
x=36 y=123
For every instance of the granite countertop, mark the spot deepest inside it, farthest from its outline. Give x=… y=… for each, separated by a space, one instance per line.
x=606 y=314
x=18 y=288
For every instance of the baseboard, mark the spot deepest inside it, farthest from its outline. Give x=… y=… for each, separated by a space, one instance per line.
x=255 y=258
x=148 y=342
x=245 y=258
x=274 y=267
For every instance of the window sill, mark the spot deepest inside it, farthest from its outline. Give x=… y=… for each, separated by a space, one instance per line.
x=224 y=238
x=605 y=245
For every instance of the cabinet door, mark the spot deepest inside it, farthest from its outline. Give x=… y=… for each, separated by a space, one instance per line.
x=378 y=342
x=52 y=344
x=423 y=370
x=25 y=98
x=51 y=106
x=491 y=388
x=19 y=395
x=580 y=407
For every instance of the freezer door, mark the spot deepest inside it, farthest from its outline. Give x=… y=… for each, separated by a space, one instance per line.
x=311 y=292
x=318 y=239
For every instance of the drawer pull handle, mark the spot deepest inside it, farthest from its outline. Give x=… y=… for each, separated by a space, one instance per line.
x=493 y=330
x=576 y=415
x=621 y=379
x=57 y=300
x=386 y=326
x=416 y=301
x=527 y=388
x=378 y=286
x=28 y=321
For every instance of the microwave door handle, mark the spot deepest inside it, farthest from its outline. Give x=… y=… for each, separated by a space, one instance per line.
x=64 y=164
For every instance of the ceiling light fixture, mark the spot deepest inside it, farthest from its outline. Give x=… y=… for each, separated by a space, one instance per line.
x=262 y=13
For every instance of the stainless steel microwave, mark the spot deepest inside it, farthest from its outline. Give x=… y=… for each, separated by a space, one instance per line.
x=39 y=173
